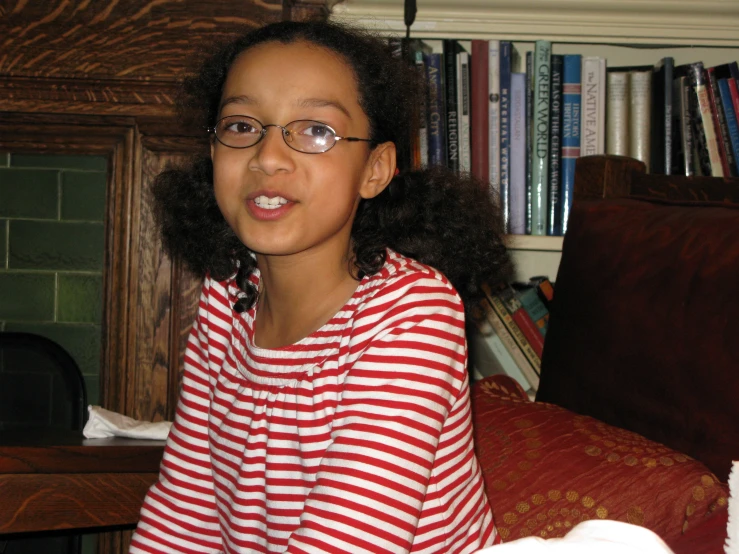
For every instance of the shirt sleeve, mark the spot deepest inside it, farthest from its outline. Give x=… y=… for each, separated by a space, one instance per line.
x=408 y=380
x=179 y=512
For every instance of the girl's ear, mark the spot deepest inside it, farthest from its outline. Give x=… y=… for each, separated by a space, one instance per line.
x=379 y=171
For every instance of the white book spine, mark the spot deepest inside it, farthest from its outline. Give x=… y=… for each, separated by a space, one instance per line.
x=640 y=115
x=463 y=109
x=592 y=126
x=494 y=113
x=617 y=113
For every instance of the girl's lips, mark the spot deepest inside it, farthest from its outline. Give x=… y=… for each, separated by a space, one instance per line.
x=265 y=214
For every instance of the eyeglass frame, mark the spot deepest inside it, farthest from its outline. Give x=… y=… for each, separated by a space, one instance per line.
x=285 y=133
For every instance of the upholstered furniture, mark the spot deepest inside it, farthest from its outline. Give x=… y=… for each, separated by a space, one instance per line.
x=637 y=413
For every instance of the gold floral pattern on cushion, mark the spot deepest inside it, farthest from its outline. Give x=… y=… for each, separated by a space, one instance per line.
x=546 y=469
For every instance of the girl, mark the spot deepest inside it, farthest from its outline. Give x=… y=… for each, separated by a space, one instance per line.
x=325 y=402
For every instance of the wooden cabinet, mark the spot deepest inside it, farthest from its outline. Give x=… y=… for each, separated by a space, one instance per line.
x=638 y=32
x=100 y=78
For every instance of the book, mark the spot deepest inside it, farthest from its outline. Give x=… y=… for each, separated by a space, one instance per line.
x=492 y=345
x=507 y=294
x=661 y=128
x=540 y=137
x=418 y=52
x=463 y=109
x=682 y=144
x=513 y=330
x=437 y=110
x=728 y=163
x=528 y=295
x=451 y=48
x=617 y=112
x=529 y=133
x=732 y=122
x=508 y=60
x=517 y=198
x=704 y=133
x=640 y=117
x=479 y=131
x=554 y=206
x=570 y=131
x=494 y=115
x=592 y=125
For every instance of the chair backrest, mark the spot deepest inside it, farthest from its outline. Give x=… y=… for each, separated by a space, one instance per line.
x=641 y=332
x=41 y=385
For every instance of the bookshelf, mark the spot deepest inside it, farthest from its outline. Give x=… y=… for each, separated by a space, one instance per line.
x=630 y=32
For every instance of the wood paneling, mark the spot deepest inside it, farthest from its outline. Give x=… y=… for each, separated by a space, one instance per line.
x=100 y=77
x=119 y=39
x=72 y=501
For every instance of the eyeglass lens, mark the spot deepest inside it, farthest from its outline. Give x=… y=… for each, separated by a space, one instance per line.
x=304 y=136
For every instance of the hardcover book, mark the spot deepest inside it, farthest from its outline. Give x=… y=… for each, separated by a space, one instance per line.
x=479 y=126
x=570 y=131
x=540 y=137
x=554 y=207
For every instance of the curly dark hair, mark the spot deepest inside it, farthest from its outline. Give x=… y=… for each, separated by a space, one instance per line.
x=446 y=220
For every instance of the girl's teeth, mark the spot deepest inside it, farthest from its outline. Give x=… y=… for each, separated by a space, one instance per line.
x=270 y=203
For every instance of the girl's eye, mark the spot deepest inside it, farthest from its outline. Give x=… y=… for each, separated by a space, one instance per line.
x=240 y=127
x=317 y=130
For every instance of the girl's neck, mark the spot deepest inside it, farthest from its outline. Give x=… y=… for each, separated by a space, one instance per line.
x=299 y=294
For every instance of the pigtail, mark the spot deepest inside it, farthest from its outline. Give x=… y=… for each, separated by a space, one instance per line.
x=193 y=229
x=446 y=220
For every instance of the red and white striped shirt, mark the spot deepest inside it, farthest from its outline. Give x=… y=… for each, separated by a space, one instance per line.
x=356 y=439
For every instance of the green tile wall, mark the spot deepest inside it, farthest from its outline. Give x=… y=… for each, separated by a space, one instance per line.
x=52 y=210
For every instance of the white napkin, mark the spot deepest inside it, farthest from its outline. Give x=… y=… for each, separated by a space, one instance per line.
x=594 y=536
x=104 y=423
x=732 y=529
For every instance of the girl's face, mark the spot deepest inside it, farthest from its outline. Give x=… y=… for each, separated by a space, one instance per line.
x=317 y=193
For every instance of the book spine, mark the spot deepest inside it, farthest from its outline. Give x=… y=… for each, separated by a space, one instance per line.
x=518 y=154
x=529 y=371
x=520 y=339
x=437 y=115
x=420 y=59
x=685 y=97
x=705 y=134
x=728 y=162
x=495 y=356
x=463 y=109
x=730 y=114
x=554 y=208
x=508 y=296
x=617 y=113
x=734 y=89
x=570 y=131
x=640 y=117
x=494 y=115
x=529 y=134
x=539 y=173
x=662 y=119
x=536 y=309
x=452 y=116
x=505 y=117
x=479 y=134
x=593 y=89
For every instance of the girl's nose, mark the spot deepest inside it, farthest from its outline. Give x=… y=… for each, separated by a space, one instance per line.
x=273 y=155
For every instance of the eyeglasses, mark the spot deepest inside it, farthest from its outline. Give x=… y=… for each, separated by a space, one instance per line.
x=309 y=137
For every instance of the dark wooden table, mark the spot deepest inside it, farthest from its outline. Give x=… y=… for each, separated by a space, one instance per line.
x=64 y=481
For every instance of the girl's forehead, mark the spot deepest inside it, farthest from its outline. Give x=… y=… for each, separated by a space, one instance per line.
x=295 y=65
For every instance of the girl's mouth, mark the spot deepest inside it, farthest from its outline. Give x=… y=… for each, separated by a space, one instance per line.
x=266 y=208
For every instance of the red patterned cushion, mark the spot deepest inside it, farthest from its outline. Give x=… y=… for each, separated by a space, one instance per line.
x=546 y=469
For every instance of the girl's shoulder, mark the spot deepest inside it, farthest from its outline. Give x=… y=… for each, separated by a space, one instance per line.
x=402 y=276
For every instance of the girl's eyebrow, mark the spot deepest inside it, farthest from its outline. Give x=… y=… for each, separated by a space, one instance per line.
x=302 y=103
x=241 y=99
x=323 y=103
